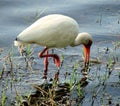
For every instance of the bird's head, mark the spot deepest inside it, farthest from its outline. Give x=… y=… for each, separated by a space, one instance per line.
x=85 y=39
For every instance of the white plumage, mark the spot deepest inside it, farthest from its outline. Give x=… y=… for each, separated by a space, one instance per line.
x=51 y=31
x=55 y=31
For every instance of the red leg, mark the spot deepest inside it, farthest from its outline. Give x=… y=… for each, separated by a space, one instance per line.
x=54 y=56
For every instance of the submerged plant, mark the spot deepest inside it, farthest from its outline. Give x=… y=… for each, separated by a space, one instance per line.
x=4 y=97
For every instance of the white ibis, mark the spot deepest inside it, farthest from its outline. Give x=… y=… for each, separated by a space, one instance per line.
x=55 y=31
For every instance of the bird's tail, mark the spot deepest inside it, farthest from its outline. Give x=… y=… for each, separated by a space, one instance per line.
x=21 y=46
x=18 y=43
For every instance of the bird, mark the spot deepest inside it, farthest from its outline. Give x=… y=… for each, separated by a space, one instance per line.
x=55 y=31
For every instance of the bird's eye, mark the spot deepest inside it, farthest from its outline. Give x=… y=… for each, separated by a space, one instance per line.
x=90 y=42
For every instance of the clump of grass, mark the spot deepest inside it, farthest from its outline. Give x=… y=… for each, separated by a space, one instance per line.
x=55 y=94
x=1 y=73
x=117 y=45
x=103 y=80
x=75 y=82
x=4 y=97
x=19 y=99
x=80 y=92
x=22 y=100
x=48 y=95
x=27 y=54
x=73 y=76
x=8 y=75
x=62 y=60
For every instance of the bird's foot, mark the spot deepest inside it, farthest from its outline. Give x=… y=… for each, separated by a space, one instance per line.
x=83 y=81
x=84 y=71
x=44 y=77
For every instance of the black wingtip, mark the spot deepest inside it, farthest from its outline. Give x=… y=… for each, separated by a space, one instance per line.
x=16 y=39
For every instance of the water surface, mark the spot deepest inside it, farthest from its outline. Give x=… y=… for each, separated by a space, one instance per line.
x=98 y=17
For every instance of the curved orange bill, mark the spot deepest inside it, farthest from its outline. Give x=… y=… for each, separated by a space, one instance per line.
x=86 y=54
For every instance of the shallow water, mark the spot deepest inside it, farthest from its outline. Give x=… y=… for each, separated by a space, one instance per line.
x=101 y=18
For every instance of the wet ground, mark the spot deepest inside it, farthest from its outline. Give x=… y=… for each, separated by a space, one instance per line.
x=98 y=17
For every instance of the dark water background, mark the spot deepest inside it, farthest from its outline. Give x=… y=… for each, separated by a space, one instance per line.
x=101 y=18
x=98 y=17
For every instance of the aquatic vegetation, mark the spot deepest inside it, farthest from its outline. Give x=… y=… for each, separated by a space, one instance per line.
x=16 y=70
x=117 y=44
x=4 y=97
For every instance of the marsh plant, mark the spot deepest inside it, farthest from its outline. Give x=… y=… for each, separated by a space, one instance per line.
x=117 y=45
x=12 y=66
x=4 y=97
x=73 y=79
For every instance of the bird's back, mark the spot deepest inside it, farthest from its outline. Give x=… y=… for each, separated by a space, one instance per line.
x=51 y=31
